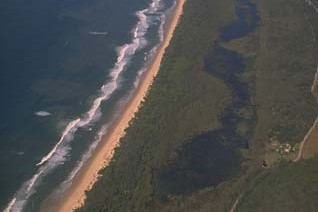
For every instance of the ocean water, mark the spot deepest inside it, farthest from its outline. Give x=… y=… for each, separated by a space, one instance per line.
x=67 y=67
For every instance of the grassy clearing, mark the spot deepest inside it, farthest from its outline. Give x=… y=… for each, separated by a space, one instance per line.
x=291 y=187
x=284 y=71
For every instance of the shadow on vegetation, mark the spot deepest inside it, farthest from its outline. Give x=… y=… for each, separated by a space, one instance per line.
x=246 y=22
x=202 y=162
x=213 y=157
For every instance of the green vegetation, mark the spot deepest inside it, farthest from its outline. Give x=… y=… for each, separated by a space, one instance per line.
x=285 y=68
x=186 y=101
x=286 y=188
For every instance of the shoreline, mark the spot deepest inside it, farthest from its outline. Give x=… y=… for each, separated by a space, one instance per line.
x=75 y=195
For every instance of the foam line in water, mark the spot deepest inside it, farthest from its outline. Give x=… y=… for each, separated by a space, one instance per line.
x=68 y=182
x=33 y=180
x=28 y=188
x=70 y=128
x=310 y=3
x=139 y=31
x=125 y=53
x=57 y=155
x=148 y=57
x=11 y=203
x=42 y=113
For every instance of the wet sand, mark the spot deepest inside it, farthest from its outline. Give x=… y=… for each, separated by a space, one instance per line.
x=86 y=178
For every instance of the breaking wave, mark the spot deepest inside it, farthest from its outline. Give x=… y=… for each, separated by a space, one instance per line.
x=59 y=153
x=43 y=113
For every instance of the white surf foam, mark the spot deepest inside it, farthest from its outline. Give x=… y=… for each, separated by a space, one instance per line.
x=33 y=180
x=314 y=6
x=42 y=113
x=59 y=152
x=98 y=33
x=148 y=57
x=70 y=128
x=11 y=203
x=138 y=33
x=28 y=188
x=68 y=182
x=124 y=55
x=155 y=7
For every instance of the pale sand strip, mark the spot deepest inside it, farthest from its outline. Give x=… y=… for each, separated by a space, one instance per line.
x=235 y=204
x=312 y=135
x=75 y=197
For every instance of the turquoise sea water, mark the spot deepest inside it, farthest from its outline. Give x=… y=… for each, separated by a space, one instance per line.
x=66 y=68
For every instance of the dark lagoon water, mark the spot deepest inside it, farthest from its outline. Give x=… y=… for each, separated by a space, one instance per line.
x=213 y=157
x=66 y=68
x=246 y=22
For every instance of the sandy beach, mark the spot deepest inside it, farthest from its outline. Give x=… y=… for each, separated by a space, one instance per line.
x=75 y=197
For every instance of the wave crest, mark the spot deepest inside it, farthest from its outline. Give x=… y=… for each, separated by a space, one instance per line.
x=58 y=154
